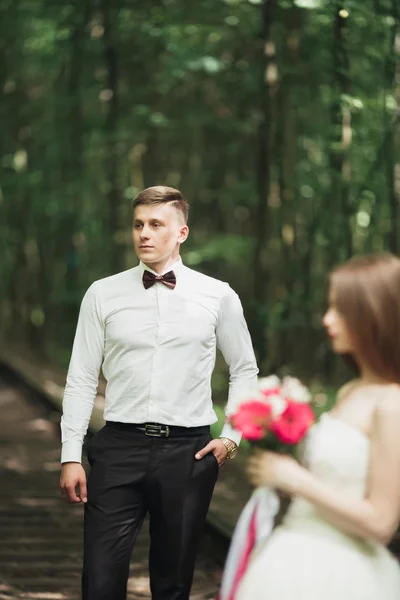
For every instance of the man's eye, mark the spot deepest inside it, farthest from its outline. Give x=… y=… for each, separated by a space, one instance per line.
x=137 y=226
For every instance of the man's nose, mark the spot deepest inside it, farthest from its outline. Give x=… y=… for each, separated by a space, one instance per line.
x=144 y=233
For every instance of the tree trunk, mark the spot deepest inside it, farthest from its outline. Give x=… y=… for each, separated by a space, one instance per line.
x=392 y=149
x=339 y=229
x=259 y=320
x=110 y=16
x=76 y=141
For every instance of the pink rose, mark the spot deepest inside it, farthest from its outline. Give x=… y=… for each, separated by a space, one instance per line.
x=252 y=419
x=293 y=423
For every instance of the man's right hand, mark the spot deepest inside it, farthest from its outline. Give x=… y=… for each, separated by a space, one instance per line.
x=73 y=483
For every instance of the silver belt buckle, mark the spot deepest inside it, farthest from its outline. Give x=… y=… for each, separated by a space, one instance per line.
x=156 y=430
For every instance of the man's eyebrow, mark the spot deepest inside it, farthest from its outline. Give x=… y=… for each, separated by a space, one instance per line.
x=153 y=220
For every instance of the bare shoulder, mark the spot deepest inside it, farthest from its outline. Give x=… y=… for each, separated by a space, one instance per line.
x=388 y=405
x=386 y=416
x=346 y=389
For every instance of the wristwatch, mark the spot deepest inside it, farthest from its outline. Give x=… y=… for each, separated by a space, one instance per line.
x=230 y=446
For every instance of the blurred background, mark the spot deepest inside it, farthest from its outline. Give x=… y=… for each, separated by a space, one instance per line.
x=278 y=120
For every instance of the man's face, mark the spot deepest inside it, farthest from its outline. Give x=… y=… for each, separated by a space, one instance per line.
x=158 y=231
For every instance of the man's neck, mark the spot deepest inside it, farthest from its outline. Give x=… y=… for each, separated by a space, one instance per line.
x=161 y=267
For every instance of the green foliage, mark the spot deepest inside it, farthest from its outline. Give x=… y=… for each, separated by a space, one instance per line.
x=277 y=119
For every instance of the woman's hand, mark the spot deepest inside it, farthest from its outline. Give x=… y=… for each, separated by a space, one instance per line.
x=274 y=470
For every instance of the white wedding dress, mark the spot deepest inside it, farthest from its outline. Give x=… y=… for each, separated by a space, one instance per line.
x=307 y=558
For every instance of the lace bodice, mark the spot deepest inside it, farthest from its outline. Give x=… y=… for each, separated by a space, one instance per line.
x=338 y=454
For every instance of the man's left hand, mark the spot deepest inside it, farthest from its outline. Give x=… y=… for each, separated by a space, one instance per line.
x=217 y=448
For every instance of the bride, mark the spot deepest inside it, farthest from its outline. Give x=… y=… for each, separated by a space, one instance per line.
x=346 y=508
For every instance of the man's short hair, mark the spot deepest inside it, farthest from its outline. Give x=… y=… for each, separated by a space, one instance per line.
x=161 y=194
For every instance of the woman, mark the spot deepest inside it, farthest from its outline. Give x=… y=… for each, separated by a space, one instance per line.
x=346 y=508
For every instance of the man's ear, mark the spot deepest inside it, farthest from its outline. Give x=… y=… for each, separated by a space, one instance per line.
x=183 y=234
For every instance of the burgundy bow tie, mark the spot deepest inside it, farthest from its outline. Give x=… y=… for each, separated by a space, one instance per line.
x=167 y=279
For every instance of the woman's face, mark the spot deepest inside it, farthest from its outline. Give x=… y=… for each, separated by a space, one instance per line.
x=337 y=329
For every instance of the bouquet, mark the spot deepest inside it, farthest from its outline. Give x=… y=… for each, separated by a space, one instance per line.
x=277 y=419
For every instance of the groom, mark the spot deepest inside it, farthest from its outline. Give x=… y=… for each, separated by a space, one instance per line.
x=153 y=330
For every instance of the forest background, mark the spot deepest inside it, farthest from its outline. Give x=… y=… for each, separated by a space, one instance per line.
x=278 y=120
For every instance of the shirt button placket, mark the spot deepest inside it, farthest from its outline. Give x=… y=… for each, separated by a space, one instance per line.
x=158 y=290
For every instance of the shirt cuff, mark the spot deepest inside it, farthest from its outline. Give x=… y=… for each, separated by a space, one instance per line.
x=71 y=452
x=232 y=434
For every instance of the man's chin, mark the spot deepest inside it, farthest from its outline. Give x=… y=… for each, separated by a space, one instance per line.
x=146 y=256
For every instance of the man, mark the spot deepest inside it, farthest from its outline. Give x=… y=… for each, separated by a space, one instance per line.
x=154 y=330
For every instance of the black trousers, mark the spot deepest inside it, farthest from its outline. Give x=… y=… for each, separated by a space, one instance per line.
x=132 y=474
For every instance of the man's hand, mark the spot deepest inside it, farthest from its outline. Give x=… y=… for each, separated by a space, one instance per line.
x=217 y=448
x=73 y=483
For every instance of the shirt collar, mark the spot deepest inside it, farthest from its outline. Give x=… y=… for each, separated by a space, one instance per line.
x=175 y=267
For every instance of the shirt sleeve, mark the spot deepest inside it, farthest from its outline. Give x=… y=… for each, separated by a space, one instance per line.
x=83 y=376
x=234 y=341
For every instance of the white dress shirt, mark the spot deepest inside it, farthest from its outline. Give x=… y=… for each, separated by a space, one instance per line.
x=157 y=349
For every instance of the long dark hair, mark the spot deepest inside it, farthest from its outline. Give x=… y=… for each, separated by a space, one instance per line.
x=367 y=295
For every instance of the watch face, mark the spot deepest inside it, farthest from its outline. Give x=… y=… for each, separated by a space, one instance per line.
x=233 y=453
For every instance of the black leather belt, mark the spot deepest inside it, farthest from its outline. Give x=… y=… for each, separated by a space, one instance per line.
x=159 y=429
